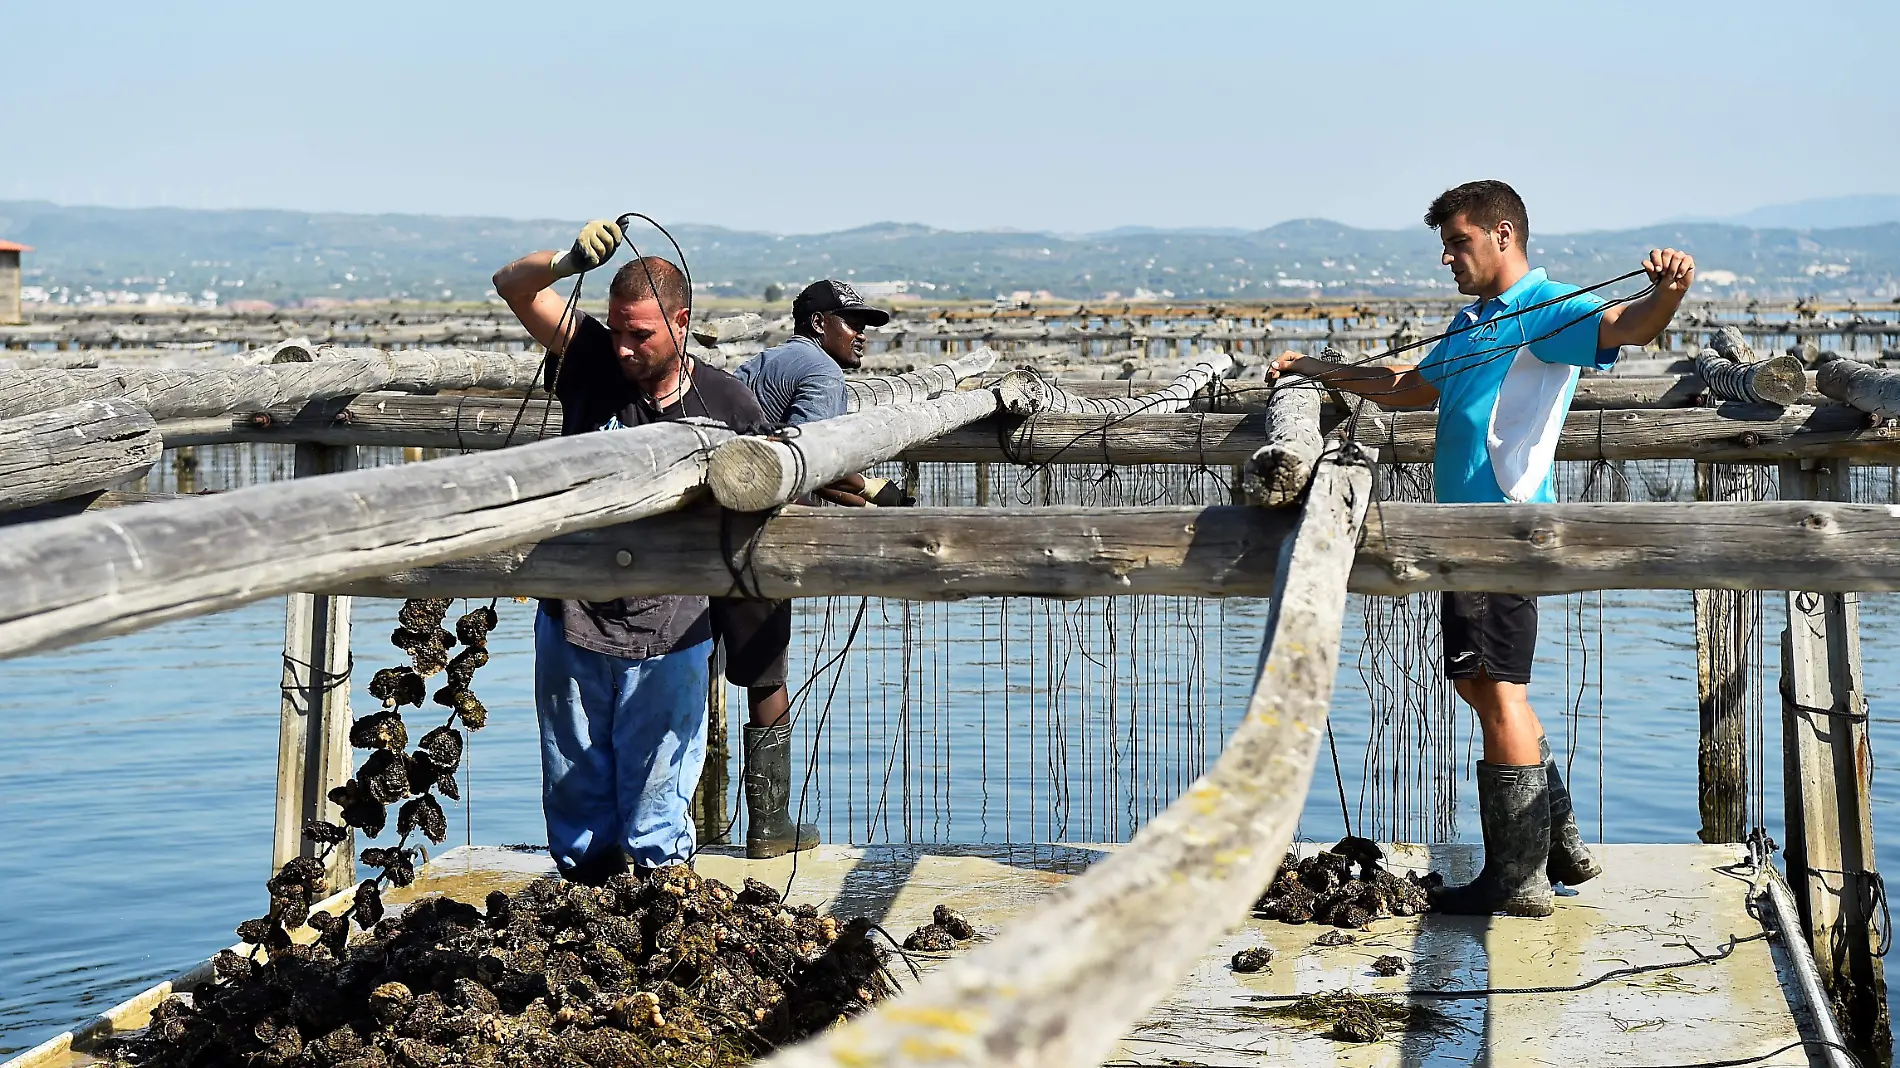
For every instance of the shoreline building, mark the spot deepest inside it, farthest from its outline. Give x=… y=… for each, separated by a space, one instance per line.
x=10 y=280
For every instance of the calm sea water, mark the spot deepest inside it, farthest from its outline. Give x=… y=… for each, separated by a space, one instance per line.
x=136 y=785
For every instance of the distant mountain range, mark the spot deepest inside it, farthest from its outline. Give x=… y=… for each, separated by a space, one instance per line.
x=81 y=253
x=1828 y=213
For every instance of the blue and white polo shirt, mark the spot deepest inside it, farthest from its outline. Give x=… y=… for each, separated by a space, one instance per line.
x=1505 y=387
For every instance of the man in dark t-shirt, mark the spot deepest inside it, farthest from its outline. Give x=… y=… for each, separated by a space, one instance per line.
x=620 y=686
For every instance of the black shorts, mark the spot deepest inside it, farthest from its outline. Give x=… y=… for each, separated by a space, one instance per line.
x=1490 y=635
x=757 y=635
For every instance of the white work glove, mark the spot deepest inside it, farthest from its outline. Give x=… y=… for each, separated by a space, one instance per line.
x=596 y=245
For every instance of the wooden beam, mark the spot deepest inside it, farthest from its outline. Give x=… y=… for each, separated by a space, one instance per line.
x=1062 y=985
x=1827 y=786
x=75 y=449
x=922 y=384
x=1733 y=433
x=1593 y=392
x=93 y=575
x=313 y=736
x=1728 y=365
x=954 y=553
x=751 y=474
x=1873 y=390
x=176 y=393
x=1277 y=473
x=1209 y=368
x=1724 y=638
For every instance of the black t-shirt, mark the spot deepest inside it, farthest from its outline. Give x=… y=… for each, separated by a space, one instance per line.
x=596 y=395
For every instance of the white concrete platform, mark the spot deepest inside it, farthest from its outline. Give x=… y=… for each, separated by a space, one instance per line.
x=1655 y=904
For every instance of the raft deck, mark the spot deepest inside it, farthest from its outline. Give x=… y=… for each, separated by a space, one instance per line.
x=1655 y=904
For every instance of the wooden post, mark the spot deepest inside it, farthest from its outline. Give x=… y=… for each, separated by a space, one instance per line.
x=185 y=467
x=1722 y=641
x=1827 y=779
x=313 y=735
x=913 y=478
x=709 y=796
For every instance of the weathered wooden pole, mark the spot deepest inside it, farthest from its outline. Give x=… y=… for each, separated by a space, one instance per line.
x=1728 y=366
x=1278 y=471
x=1873 y=390
x=919 y=385
x=313 y=733
x=1827 y=785
x=751 y=474
x=170 y=393
x=1724 y=634
x=709 y=795
x=63 y=452
x=1062 y=984
x=88 y=576
x=1224 y=551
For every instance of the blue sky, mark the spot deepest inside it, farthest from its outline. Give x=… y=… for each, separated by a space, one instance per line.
x=804 y=116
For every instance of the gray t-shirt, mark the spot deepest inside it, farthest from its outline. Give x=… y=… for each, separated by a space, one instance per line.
x=797 y=382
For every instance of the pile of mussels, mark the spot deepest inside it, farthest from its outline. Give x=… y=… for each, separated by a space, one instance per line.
x=1324 y=889
x=669 y=969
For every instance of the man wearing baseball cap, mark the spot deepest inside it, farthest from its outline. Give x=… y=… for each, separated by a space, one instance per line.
x=801 y=381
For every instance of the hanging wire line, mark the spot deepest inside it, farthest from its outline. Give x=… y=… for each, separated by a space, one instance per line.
x=1470 y=361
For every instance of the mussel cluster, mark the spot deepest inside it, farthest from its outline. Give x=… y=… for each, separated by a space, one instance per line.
x=946 y=928
x=665 y=969
x=1323 y=888
x=389 y=775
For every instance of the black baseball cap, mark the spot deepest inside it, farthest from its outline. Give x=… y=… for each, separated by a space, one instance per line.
x=831 y=295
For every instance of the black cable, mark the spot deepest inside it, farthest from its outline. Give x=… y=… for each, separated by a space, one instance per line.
x=1483 y=358
x=1468 y=994
x=679 y=340
x=1345 y=816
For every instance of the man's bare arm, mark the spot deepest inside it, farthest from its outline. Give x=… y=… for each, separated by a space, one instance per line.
x=1640 y=321
x=1396 y=386
x=527 y=283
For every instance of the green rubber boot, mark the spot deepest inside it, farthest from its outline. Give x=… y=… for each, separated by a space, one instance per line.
x=769 y=830
x=1570 y=860
x=1514 y=806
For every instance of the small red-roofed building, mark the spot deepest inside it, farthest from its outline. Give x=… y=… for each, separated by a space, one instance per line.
x=10 y=280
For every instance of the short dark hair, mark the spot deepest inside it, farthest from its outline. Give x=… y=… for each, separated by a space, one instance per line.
x=651 y=278
x=1485 y=204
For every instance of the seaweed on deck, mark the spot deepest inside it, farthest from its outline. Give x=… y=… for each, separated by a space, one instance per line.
x=1352 y=1017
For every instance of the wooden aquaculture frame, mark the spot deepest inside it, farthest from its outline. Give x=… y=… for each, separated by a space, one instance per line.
x=637 y=513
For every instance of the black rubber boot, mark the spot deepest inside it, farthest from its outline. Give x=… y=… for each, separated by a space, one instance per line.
x=769 y=830
x=1570 y=860
x=1514 y=806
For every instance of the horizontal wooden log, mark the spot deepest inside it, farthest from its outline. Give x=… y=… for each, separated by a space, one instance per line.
x=1732 y=433
x=1875 y=391
x=1594 y=392
x=1061 y=985
x=88 y=501
x=99 y=574
x=751 y=474
x=173 y=393
x=1728 y=365
x=1209 y=368
x=921 y=384
x=72 y=450
x=1277 y=473
x=946 y=554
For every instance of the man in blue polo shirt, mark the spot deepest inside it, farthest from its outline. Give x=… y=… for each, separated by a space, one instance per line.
x=1502 y=381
